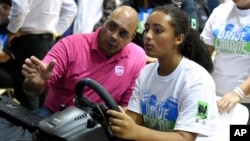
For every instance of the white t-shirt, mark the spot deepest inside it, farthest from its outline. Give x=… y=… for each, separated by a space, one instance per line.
x=184 y=100
x=41 y=16
x=228 y=30
x=88 y=14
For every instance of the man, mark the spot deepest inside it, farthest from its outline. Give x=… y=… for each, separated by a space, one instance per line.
x=32 y=28
x=5 y=57
x=105 y=55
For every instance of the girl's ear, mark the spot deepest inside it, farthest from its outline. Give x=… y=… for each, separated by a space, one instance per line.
x=179 y=39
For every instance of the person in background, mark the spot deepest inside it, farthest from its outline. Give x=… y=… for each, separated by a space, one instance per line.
x=105 y=55
x=108 y=7
x=174 y=99
x=5 y=57
x=88 y=14
x=92 y=14
x=145 y=7
x=212 y=4
x=225 y=1
x=5 y=6
x=203 y=13
x=33 y=26
x=227 y=33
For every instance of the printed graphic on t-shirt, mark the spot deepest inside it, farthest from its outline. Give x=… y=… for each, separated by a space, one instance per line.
x=159 y=115
x=229 y=39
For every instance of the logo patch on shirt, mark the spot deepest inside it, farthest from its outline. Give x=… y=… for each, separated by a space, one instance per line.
x=202 y=110
x=119 y=70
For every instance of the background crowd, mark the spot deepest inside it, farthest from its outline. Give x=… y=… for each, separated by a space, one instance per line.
x=133 y=45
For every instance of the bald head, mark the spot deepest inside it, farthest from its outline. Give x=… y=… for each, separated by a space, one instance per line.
x=126 y=15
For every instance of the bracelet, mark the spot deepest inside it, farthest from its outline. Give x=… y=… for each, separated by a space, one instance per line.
x=239 y=92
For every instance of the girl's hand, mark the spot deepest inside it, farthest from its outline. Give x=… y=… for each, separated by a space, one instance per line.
x=122 y=125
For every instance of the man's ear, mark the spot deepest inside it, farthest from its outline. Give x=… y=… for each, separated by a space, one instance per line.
x=133 y=36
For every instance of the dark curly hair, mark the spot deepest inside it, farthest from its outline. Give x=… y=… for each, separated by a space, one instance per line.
x=195 y=49
x=193 y=46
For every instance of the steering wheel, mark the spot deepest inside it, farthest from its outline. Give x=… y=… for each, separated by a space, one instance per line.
x=105 y=96
x=99 y=89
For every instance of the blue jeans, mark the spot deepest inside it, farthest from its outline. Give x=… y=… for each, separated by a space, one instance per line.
x=43 y=112
x=13 y=132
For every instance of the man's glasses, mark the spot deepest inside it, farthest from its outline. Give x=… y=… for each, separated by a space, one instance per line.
x=112 y=27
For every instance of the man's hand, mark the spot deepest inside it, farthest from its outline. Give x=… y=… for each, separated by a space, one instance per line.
x=36 y=74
